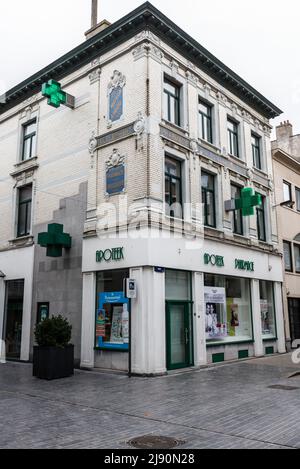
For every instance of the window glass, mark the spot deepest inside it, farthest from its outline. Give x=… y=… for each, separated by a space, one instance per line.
x=267 y=309
x=178 y=285
x=256 y=151
x=171 y=102
x=227 y=309
x=237 y=217
x=173 y=187
x=233 y=145
x=287 y=256
x=208 y=199
x=112 y=312
x=297 y=257
x=287 y=192
x=297 y=199
x=205 y=122
x=24 y=211
x=29 y=141
x=261 y=221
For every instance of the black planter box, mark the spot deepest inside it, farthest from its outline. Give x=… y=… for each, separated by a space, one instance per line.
x=53 y=362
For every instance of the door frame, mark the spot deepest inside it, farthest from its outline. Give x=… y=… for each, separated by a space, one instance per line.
x=188 y=322
x=290 y=309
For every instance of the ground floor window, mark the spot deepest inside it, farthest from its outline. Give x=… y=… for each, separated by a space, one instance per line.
x=267 y=309
x=112 y=311
x=13 y=318
x=228 y=315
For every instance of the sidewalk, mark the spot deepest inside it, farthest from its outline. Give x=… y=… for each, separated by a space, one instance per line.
x=229 y=406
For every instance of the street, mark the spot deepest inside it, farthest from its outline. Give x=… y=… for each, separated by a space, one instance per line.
x=228 y=406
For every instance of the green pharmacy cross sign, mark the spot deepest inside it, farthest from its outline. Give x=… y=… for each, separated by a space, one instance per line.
x=54 y=240
x=248 y=201
x=56 y=96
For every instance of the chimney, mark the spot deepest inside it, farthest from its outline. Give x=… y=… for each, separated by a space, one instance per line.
x=95 y=26
x=284 y=131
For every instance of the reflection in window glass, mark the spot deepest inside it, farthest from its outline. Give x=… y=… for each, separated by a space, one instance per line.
x=287 y=254
x=227 y=309
x=178 y=285
x=267 y=309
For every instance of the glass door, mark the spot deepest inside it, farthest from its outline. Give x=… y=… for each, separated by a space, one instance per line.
x=294 y=313
x=13 y=318
x=179 y=335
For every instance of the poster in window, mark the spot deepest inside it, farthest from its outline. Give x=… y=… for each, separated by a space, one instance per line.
x=265 y=316
x=215 y=300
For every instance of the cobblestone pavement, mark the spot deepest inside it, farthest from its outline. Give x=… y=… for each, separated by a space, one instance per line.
x=229 y=406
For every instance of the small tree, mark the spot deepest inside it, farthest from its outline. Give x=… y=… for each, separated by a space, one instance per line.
x=53 y=332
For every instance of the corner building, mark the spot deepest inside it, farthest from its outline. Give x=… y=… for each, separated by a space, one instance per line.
x=144 y=174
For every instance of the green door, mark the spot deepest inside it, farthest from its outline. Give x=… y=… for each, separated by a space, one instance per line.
x=179 y=335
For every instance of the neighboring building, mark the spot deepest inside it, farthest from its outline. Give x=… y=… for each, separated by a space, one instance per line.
x=286 y=159
x=174 y=137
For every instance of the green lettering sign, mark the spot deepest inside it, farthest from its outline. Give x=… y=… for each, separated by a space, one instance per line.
x=214 y=260
x=240 y=264
x=114 y=254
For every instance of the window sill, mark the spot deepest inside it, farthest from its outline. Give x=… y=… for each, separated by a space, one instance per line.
x=237 y=159
x=22 y=241
x=209 y=145
x=27 y=165
x=223 y=344
x=260 y=172
x=175 y=127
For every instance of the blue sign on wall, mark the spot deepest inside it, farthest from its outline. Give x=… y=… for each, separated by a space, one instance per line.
x=116 y=104
x=115 y=180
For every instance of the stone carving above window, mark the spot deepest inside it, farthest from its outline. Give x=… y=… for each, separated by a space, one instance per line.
x=115 y=159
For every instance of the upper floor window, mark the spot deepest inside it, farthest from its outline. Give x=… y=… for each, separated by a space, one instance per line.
x=29 y=140
x=287 y=254
x=237 y=216
x=256 y=151
x=297 y=257
x=208 y=199
x=171 y=102
x=205 y=121
x=24 y=211
x=233 y=138
x=287 y=193
x=173 y=187
x=298 y=199
x=261 y=220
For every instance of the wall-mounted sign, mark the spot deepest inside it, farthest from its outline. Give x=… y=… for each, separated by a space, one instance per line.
x=240 y=264
x=214 y=260
x=56 y=96
x=131 y=290
x=159 y=270
x=54 y=240
x=248 y=201
x=115 y=180
x=114 y=254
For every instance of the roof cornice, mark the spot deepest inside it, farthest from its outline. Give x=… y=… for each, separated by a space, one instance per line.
x=286 y=159
x=145 y=16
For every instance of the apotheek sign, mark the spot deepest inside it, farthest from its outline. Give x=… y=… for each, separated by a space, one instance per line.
x=114 y=254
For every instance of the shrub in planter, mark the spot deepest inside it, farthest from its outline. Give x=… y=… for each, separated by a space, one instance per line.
x=53 y=357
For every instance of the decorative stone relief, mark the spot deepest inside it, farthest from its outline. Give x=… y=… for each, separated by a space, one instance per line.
x=117 y=80
x=93 y=143
x=192 y=78
x=94 y=76
x=115 y=159
x=139 y=125
x=146 y=35
x=174 y=67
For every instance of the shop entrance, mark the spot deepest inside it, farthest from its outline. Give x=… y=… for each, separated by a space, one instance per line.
x=179 y=335
x=13 y=318
x=294 y=314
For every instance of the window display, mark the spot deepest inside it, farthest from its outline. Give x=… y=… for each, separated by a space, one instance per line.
x=227 y=309
x=112 y=314
x=267 y=309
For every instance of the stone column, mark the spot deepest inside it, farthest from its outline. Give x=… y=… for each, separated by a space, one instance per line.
x=148 y=323
x=256 y=317
x=88 y=320
x=200 y=354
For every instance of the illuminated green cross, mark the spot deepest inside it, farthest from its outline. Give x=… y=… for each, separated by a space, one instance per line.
x=249 y=199
x=52 y=90
x=54 y=240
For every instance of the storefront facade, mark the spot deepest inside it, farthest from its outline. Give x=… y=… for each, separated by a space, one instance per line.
x=194 y=306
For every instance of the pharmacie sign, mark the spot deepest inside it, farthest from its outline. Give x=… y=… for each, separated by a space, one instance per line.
x=114 y=254
x=240 y=264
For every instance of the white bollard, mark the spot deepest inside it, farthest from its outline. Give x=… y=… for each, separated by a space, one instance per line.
x=296 y=353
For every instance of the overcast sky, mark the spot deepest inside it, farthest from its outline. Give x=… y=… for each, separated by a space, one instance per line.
x=258 y=39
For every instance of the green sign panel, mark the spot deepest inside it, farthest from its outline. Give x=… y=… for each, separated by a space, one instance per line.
x=52 y=90
x=248 y=201
x=115 y=254
x=214 y=260
x=240 y=264
x=54 y=240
